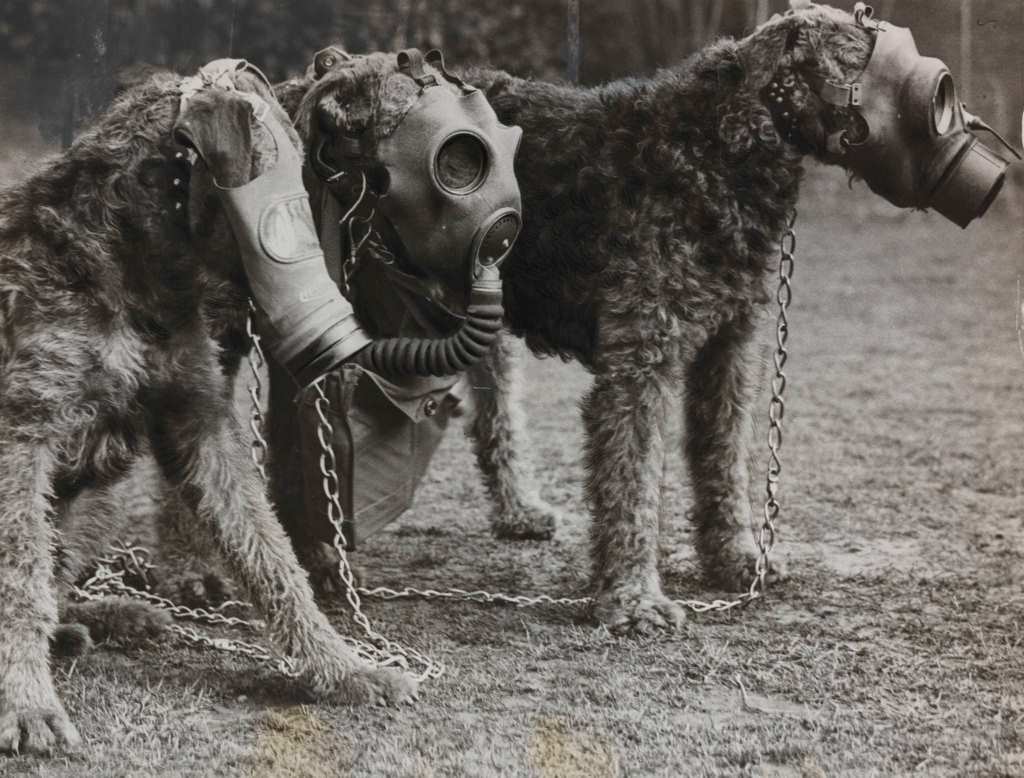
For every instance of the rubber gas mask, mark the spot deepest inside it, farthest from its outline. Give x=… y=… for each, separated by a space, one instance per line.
x=306 y=323
x=448 y=205
x=908 y=136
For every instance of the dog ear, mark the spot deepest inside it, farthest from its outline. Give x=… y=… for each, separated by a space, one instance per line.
x=764 y=50
x=218 y=125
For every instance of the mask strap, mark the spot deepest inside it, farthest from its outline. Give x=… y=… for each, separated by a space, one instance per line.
x=410 y=62
x=973 y=122
x=839 y=95
x=436 y=60
x=864 y=15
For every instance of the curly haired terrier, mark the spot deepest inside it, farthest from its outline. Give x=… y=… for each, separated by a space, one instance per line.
x=120 y=327
x=653 y=209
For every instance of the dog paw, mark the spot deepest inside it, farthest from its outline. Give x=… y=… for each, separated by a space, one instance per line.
x=335 y=673
x=638 y=613
x=321 y=561
x=526 y=521
x=732 y=566
x=119 y=619
x=70 y=640
x=197 y=590
x=381 y=686
x=36 y=730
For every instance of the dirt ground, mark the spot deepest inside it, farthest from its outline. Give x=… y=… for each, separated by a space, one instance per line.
x=895 y=647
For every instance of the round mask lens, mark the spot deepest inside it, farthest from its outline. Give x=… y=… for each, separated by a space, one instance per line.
x=461 y=163
x=943 y=104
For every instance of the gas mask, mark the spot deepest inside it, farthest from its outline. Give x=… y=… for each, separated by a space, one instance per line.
x=448 y=209
x=910 y=139
x=306 y=323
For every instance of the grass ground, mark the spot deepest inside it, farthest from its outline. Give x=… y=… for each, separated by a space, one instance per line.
x=895 y=648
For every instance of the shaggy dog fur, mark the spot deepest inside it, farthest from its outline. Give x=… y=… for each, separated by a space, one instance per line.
x=652 y=210
x=120 y=326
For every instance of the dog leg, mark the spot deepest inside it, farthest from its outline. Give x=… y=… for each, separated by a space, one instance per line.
x=117 y=619
x=499 y=441
x=201 y=446
x=186 y=563
x=32 y=718
x=624 y=419
x=717 y=429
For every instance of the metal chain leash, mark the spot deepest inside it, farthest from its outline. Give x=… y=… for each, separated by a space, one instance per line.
x=109 y=580
x=777 y=406
x=258 y=445
x=380 y=651
x=132 y=562
x=765 y=534
x=385 y=651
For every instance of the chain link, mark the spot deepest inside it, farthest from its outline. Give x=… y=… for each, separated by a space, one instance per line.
x=130 y=562
x=258 y=445
x=134 y=561
x=764 y=535
x=387 y=652
x=776 y=407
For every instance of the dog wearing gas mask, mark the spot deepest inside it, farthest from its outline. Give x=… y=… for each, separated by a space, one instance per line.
x=652 y=214
x=432 y=255
x=122 y=320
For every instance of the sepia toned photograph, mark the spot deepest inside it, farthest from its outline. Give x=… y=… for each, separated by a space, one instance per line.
x=541 y=388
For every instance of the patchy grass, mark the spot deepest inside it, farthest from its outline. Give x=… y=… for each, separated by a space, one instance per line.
x=895 y=648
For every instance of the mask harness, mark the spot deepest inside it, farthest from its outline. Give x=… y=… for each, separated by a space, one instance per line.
x=436 y=200
x=900 y=127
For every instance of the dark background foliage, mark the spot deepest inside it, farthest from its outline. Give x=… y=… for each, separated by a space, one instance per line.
x=62 y=58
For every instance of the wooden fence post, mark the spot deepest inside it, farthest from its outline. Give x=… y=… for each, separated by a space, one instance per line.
x=572 y=69
x=91 y=84
x=966 y=63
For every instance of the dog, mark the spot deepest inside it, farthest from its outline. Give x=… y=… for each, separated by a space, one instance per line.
x=121 y=324
x=653 y=208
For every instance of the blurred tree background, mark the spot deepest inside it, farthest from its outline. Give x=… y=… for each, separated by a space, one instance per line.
x=62 y=59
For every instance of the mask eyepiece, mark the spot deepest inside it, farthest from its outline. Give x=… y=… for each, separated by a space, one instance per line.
x=943 y=107
x=461 y=163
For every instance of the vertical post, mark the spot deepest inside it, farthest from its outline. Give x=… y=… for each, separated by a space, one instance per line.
x=761 y=15
x=91 y=84
x=697 y=18
x=231 y=29
x=572 y=67
x=966 y=64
